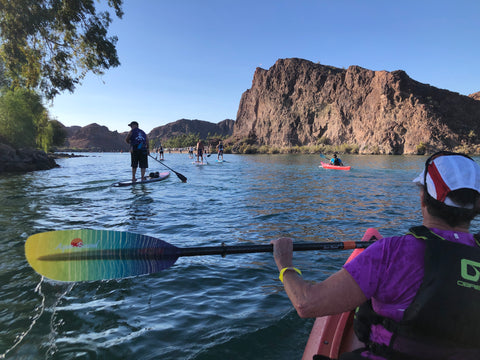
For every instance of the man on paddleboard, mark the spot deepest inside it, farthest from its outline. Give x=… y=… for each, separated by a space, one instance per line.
x=138 y=149
x=220 y=150
x=417 y=294
x=200 y=149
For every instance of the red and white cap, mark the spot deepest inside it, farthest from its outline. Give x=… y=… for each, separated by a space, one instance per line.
x=450 y=172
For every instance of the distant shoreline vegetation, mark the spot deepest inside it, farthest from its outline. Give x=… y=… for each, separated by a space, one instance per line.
x=252 y=149
x=246 y=148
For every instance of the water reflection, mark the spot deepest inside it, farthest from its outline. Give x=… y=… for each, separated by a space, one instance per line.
x=203 y=307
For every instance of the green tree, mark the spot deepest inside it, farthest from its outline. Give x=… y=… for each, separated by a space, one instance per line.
x=44 y=136
x=181 y=141
x=51 y=45
x=21 y=112
x=59 y=133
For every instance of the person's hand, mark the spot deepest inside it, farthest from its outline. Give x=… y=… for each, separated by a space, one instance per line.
x=282 y=252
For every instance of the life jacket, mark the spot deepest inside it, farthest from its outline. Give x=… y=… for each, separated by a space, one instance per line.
x=443 y=320
x=138 y=139
x=336 y=161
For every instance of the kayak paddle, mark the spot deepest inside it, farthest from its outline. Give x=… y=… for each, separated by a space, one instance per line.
x=180 y=176
x=84 y=255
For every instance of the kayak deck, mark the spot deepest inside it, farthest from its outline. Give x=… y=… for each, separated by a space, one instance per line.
x=334 y=167
x=333 y=335
x=161 y=176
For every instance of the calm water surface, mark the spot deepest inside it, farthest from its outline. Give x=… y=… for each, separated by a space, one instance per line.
x=203 y=307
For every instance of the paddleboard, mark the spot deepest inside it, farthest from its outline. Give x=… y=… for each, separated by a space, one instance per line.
x=162 y=176
x=334 y=167
x=333 y=335
x=199 y=163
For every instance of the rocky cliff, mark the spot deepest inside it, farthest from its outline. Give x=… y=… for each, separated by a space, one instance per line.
x=297 y=102
x=95 y=137
x=184 y=126
x=475 y=96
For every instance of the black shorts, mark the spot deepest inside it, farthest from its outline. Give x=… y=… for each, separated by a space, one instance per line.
x=139 y=157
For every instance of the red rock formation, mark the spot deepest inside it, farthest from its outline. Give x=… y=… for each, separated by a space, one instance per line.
x=297 y=102
x=94 y=137
x=475 y=96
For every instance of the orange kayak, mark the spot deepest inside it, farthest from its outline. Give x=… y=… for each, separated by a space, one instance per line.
x=334 y=167
x=333 y=335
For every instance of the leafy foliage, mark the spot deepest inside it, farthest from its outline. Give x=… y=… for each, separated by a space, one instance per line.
x=24 y=121
x=20 y=112
x=181 y=141
x=51 y=44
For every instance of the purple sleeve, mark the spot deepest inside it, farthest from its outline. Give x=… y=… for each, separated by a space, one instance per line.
x=367 y=268
x=390 y=271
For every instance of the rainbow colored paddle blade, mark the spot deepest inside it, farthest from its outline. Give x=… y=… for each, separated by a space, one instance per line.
x=80 y=255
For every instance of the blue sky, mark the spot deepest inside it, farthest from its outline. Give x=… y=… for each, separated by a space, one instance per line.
x=193 y=59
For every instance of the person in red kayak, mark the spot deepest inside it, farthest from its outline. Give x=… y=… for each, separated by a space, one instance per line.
x=417 y=295
x=336 y=160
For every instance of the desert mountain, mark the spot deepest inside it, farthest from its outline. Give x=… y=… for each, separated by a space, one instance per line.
x=184 y=127
x=297 y=102
x=95 y=137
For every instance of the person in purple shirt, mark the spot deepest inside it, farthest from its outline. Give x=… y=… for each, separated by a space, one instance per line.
x=417 y=295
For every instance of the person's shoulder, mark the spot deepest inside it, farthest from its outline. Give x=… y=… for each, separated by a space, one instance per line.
x=399 y=243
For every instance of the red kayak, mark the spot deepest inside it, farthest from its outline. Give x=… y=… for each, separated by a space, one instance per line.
x=334 y=167
x=333 y=335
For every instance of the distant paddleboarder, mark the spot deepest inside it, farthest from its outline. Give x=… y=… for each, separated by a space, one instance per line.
x=160 y=151
x=200 y=149
x=220 y=150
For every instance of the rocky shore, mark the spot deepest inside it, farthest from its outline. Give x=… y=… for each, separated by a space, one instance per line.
x=24 y=160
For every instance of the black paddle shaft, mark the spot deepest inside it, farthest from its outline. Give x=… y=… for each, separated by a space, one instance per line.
x=244 y=249
x=180 y=176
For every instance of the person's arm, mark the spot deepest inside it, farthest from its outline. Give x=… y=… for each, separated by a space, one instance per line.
x=337 y=294
x=127 y=139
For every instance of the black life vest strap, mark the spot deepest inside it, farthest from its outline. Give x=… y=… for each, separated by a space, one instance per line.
x=424 y=233
x=477 y=239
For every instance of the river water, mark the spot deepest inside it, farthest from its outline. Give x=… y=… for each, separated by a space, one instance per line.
x=204 y=307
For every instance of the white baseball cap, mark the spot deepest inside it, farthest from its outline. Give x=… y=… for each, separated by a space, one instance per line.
x=448 y=172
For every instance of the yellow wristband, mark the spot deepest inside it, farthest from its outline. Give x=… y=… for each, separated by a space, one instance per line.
x=288 y=268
